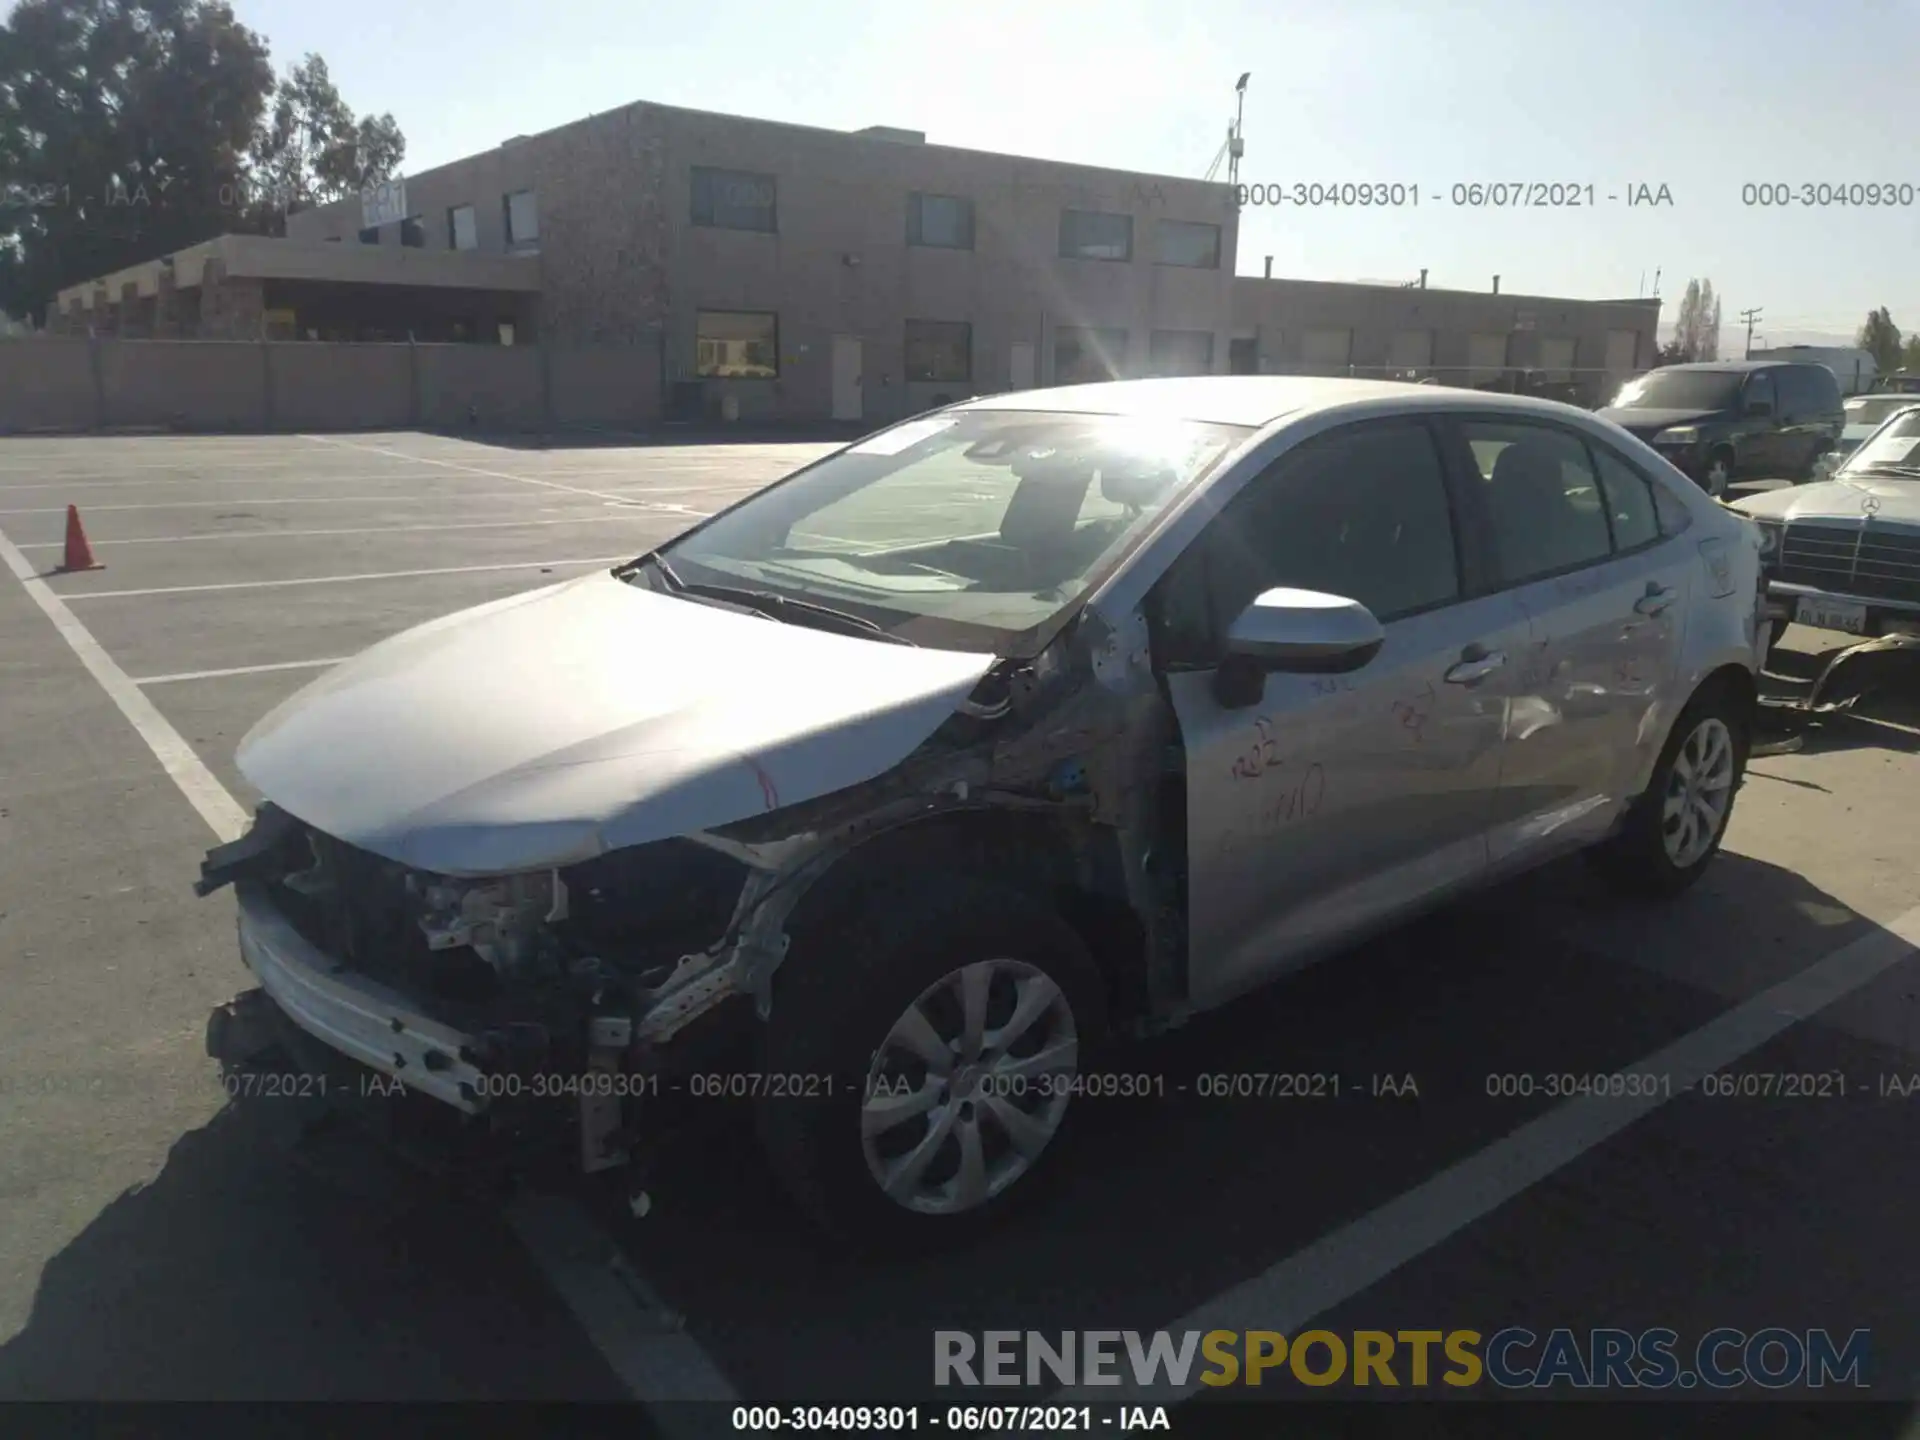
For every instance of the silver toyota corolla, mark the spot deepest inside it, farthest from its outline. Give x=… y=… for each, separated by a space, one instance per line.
x=885 y=799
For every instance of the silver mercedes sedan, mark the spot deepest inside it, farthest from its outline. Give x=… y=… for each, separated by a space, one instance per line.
x=886 y=800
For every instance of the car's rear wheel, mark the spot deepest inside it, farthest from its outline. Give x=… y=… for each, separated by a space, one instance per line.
x=1674 y=829
x=1717 y=473
x=932 y=1045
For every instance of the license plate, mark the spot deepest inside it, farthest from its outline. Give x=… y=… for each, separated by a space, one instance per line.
x=1843 y=615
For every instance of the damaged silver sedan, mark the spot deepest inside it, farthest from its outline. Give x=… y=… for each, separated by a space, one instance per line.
x=887 y=798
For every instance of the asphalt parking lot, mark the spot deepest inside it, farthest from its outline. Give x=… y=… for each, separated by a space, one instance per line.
x=159 y=1246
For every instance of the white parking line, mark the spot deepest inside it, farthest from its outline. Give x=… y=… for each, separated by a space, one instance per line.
x=456 y=465
x=669 y=509
x=1341 y=1265
x=237 y=670
x=342 y=579
x=298 y=477
x=597 y=518
x=223 y=814
x=655 y=1361
x=230 y=501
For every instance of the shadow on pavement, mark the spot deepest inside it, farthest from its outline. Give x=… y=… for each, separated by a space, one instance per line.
x=234 y=1276
x=1172 y=1199
x=1881 y=690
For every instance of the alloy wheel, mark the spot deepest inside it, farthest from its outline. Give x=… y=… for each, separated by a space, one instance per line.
x=1699 y=793
x=969 y=1086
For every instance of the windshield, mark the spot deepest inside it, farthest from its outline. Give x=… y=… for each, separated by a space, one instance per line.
x=1681 y=390
x=1873 y=411
x=967 y=530
x=1894 y=444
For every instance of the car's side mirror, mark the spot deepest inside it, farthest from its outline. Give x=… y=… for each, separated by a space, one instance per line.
x=1300 y=632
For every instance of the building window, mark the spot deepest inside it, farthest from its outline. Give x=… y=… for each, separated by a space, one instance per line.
x=940 y=350
x=945 y=221
x=413 y=234
x=734 y=200
x=522 y=217
x=1180 y=352
x=1082 y=356
x=736 y=344
x=462 y=231
x=1092 y=235
x=370 y=235
x=1187 y=242
x=1243 y=355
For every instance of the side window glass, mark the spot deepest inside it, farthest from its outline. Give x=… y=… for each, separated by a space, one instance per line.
x=1542 y=499
x=1759 y=390
x=1629 y=501
x=1361 y=513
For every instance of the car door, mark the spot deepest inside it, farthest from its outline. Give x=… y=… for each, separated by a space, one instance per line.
x=1765 y=448
x=1574 y=534
x=1335 y=801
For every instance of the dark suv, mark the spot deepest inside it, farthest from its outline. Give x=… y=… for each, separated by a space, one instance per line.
x=1733 y=419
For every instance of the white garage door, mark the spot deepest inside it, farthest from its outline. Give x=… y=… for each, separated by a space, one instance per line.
x=1322 y=349
x=1556 y=357
x=1486 y=357
x=1411 y=350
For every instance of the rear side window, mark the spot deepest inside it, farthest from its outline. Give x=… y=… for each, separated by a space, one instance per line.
x=1629 y=501
x=1542 y=499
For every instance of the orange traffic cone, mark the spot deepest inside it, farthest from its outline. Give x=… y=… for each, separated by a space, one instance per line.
x=79 y=552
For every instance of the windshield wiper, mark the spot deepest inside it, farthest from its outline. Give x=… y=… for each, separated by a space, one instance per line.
x=773 y=606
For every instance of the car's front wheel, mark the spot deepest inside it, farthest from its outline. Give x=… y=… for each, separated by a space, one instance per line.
x=931 y=1045
x=1675 y=828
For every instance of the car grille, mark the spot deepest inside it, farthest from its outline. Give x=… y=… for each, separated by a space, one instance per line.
x=1852 y=559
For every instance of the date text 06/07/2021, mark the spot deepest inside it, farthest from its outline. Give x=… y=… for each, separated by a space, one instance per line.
x=959 y=1419
x=1463 y=194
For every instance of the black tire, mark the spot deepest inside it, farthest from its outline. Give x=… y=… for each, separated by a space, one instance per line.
x=1636 y=857
x=836 y=997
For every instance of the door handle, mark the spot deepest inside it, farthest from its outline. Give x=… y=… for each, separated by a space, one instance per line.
x=1657 y=599
x=1475 y=665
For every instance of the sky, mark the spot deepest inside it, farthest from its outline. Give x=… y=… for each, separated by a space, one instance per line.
x=1701 y=97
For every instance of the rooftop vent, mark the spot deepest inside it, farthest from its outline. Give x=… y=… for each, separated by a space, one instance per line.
x=892 y=132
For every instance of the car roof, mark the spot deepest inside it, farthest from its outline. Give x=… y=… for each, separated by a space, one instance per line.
x=1253 y=401
x=1741 y=365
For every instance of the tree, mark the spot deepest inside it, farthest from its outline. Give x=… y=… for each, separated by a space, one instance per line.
x=1696 y=326
x=1910 y=353
x=1880 y=338
x=132 y=128
x=310 y=150
x=124 y=126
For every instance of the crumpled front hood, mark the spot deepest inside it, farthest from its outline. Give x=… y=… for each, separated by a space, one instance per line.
x=587 y=716
x=1645 y=423
x=1898 y=501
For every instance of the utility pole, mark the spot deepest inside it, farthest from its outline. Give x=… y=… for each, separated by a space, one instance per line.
x=1750 y=316
x=1237 y=145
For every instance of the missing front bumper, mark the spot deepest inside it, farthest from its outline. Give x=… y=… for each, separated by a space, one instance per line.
x=358 y=1017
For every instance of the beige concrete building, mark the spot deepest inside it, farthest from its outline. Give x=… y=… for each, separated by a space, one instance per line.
x=1586 y=348
x=812 y=273
x=761 y=270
